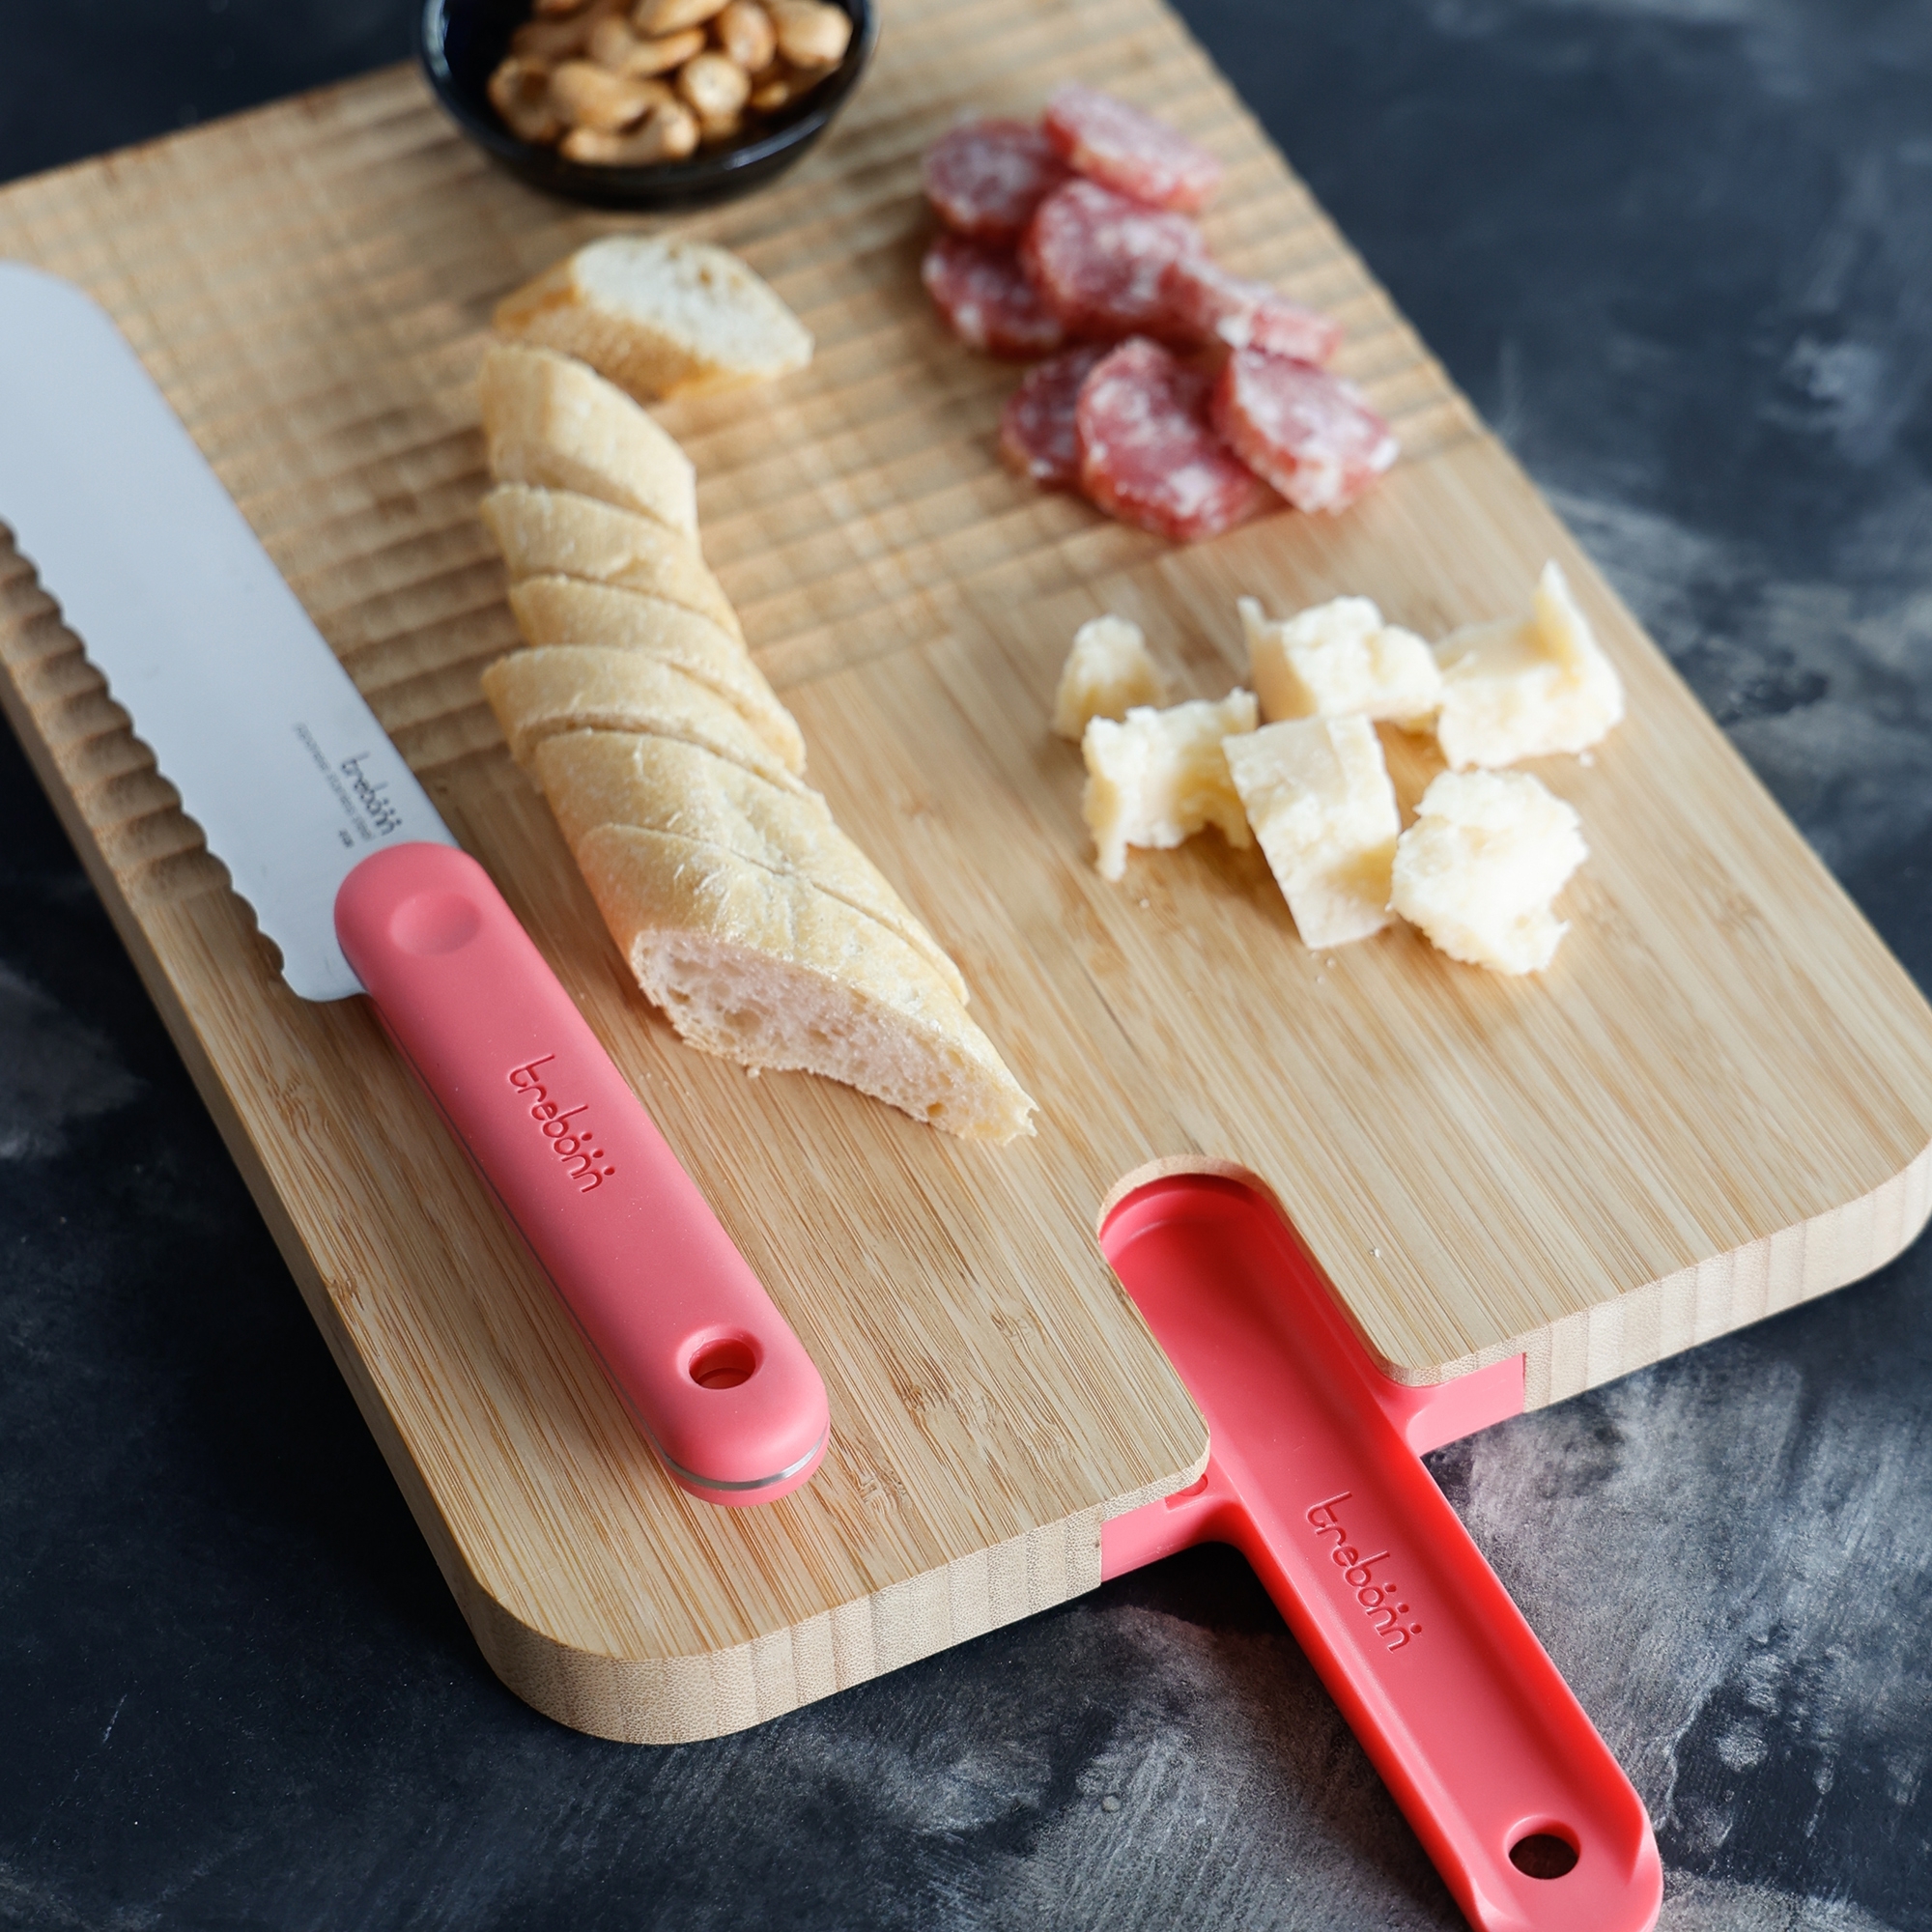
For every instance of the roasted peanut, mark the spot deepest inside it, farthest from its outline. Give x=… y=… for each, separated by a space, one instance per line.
x=715 y=86
x=520 y=91
x=589 y=95
x=612 y=44
x=548 y=40
x=811 y=34
x=715 y=129
x=668 y=134
x=778 y=86
x=657 y=93
x=672 y=16
x=550 y=9
x=559 y=38
x=744 y=31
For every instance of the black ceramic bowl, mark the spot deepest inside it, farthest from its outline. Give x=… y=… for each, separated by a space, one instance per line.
x=460 y=42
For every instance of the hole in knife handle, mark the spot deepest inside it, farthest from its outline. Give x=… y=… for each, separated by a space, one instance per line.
x=1547 y=1851
x=724 y=1362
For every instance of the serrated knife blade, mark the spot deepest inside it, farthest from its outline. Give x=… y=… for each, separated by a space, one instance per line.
x=327 y=834
x=273 y=751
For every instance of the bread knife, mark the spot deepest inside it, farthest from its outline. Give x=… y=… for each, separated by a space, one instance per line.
x=329 y=837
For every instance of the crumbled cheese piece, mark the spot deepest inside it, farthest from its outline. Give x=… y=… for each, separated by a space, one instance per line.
x=1478 y=869
x=1524 y=689
x=1336 y=658
x=1318 y=797
x=1160 y=775
x=1107 y=671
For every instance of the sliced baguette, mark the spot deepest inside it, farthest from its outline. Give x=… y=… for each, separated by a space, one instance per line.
x=594 y=778
x=561 y=611
x=555 y=423
x=558 y=533
x=659 y=316
x=766 y=968
x=553 y=688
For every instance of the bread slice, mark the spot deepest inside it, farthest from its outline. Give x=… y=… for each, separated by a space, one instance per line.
x=558 y=533
x=605 y=777
x=562 y=610
x=659 y=316
x=553 y=422
x=766 y=968
x=552 y=688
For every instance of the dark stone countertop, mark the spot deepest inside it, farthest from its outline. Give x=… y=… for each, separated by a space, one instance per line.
x=1680 y=251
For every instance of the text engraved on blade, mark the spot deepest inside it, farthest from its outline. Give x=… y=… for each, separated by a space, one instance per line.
x=371 y=815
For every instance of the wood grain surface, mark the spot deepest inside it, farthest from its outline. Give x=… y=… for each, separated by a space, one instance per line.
x=1717 y=1103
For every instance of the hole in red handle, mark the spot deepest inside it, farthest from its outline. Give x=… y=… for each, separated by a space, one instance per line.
x=1543 y=1854
x=725 y=1363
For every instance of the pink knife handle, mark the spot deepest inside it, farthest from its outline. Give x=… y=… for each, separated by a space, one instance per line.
x=686 y=1332
x=1472 y=1729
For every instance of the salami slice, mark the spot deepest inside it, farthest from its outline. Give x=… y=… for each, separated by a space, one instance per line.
x=1150 y=456
x=985 y=178
x=1309 y=432
x=1100 y=261
x=1039 y=435
x=987 y=300
x=1119 y=146
x=1211 y=305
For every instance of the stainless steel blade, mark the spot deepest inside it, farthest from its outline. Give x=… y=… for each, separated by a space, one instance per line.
x=273 y=751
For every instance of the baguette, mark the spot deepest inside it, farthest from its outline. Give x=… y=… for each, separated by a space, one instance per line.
x=766 y=968
x=594 y=778
x=660 y=317
x=553 y=688
x=553 y=422
x=558 y=533
x=561 y=611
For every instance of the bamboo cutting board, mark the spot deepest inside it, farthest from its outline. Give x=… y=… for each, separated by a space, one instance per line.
x=1717 y=1102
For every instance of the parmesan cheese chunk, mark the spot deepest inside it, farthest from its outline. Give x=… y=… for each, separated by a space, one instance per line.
x=1338 y=658
x=1107 y=671
x=1318 y=797
x=1477 y=870
x=1158 y=777
x=1526 y=687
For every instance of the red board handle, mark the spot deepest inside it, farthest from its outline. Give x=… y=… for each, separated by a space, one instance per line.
x=708 y=1367
x=1518 y=1801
